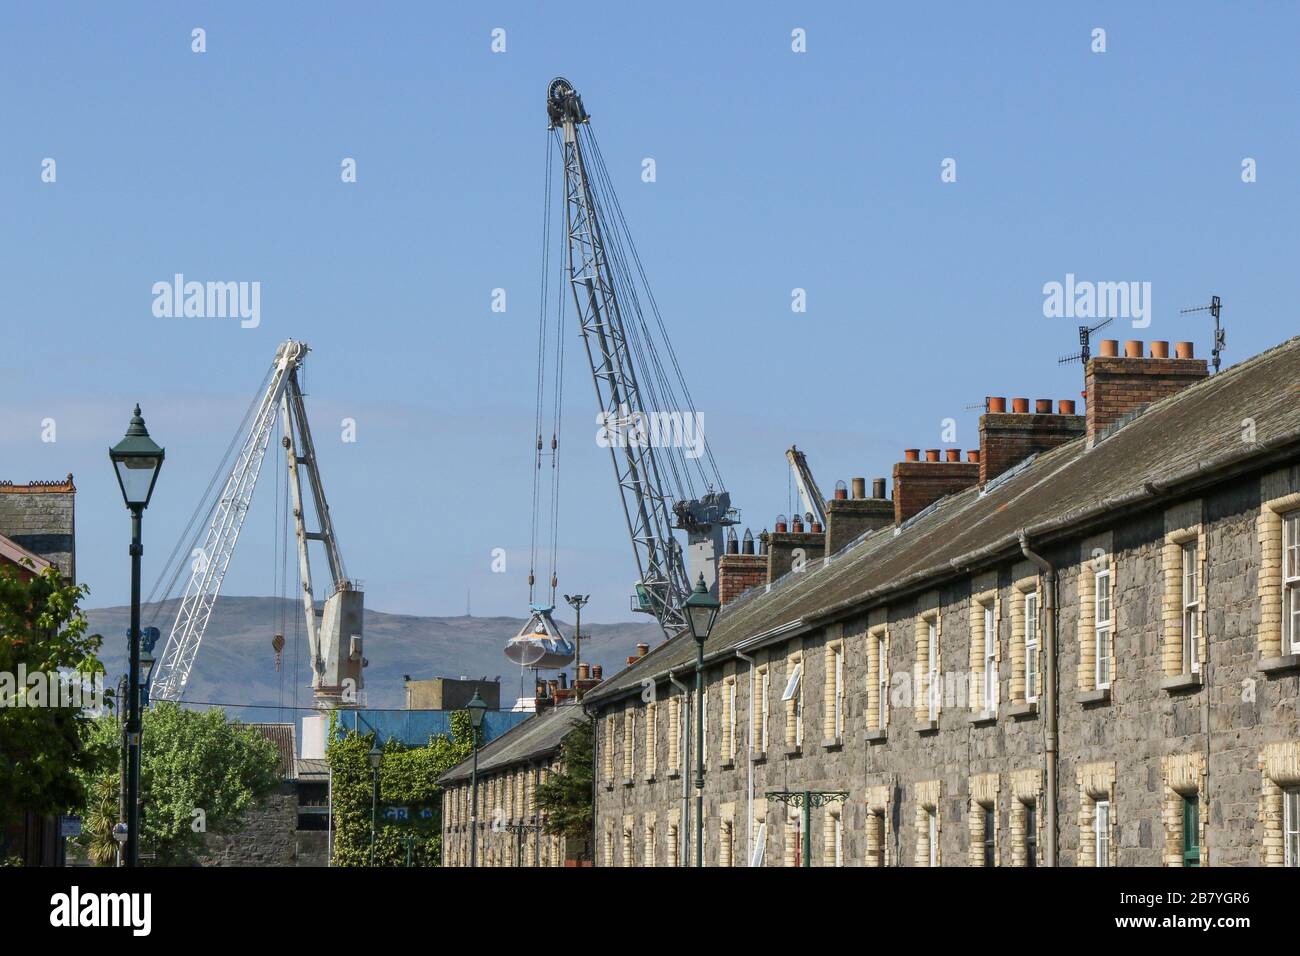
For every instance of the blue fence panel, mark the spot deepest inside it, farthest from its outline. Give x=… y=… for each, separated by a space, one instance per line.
x=414 y=727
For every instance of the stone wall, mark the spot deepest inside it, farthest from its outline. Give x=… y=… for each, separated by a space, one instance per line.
x=1139 y=739
x=267 y=835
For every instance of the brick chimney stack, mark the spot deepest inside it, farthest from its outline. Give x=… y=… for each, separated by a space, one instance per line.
x=740 y=570
x=919 y=484
x=1116 y=385
x=782 y=545
x=1008 y=438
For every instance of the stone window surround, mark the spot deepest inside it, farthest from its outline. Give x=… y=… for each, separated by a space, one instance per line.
x=1096 y=782
x=1089 y=570
x=1272 y=655
x=607 y=758
x=759 y=705
x=979 y=603
x=1183 y=527
x=648 y=852
x=727 y=834
x=877 y=657
x=1183 y=776
x=835 y=685
x=793 y=832
x=651 y=740
x=983 y=796
x=629 y=745
x=833 y=835
x=794 y=709
x=930 y=613
x=730 y=718
x=674 y=735
x=879 y=814
x=1279 y=766
x=674 y=836
x=1019 y=705
x=1026 y=791
x=928 y=802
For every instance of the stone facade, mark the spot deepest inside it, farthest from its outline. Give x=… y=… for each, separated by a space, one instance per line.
x=1222 y=732
x=509 y=826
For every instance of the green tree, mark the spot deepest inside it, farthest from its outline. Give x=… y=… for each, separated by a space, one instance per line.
x=42 y=751
x=407 y=777
x=198 y=773
x=565 y=798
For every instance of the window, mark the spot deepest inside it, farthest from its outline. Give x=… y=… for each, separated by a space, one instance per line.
x=932 y=835
x=1291 y=826
x=1191 y=608
x=1031 y=835
x=1191 y=831
x=729 y=720
x=837 y=691
x=651 y=733
x=1101 y=832
x=629 y=744
x=836 y=848
x=760 y=845
x=675 y=733
x=882 y=683
x=932 y=664
x=1031 y=646
x=704 y=736
x=793 y=697
x=990 y=661
x=764 y=690
x=1102 y=626
x=1291 y=583
x=990 y=836
x=674 y=852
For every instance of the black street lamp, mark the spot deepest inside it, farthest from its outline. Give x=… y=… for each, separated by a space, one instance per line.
x=137 y=461
x=701 y=612
x=577 y=601
x=477 y=708
x=375 y=758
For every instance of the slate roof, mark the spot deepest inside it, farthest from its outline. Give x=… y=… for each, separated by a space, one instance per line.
x=1192 y=436
x=536 y=738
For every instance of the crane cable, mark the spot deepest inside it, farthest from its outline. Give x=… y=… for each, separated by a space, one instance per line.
x=542 y=332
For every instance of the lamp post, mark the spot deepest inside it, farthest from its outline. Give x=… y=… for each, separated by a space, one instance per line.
x=701 y=612
x=477 y=708
x=137 y=461
x=576 y=601
x=375 y=758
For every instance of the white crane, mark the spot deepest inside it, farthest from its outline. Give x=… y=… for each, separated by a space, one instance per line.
x=809 y=493
x=334 y=634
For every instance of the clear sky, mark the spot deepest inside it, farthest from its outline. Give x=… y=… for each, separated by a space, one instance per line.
x=776 y=170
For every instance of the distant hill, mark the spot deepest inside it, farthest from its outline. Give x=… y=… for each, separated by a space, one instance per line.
x=236 y=663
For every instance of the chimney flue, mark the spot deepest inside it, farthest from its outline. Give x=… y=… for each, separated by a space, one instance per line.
x=859 y=488
x=878 y=488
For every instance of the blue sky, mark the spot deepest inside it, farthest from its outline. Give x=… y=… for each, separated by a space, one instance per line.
x=775 y=170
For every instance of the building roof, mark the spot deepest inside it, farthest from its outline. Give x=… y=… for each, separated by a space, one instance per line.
x=534 y=739
x=1171 y=448
x=313 y=768
x=12 y=551
x=282 y=735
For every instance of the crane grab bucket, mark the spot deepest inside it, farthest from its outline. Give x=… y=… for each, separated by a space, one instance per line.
x=540 y=643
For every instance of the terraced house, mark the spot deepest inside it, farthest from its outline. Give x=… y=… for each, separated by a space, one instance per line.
x=1079 y=647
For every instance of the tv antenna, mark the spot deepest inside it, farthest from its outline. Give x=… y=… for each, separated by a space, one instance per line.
x=1085 y=350
x=1220 y=341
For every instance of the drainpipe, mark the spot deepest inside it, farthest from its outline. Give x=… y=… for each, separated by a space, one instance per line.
x=749 y=754
x=684 y=746
x=1049 y=691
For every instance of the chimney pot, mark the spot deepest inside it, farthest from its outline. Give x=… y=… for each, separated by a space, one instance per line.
x=642 y=650
x=1065 y=406
x=911 y=454
x=878 y=488
x=1185 y=350
x=973 y=456
x=859 y=487
x=1160 y=350
x=596 y=670
x=816 y=527
x=796 y=524
x=564 y=680
x=747 y=545
x=781 y=526
x=841 y=491
x=996 y=404
x=584 y=671
x=1020 y=406
x=953 y=454
x=1043 y=406
x=932 y=454
x=1109 y=348
x=1133 y=348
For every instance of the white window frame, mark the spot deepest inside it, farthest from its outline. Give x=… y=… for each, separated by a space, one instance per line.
x=760 y=846
x=731 y=728
x=1031 y=646
x=932 y=824
x=1101 y=833
x=764 y=690
x=704 y=735
x=1103 y=627
x=1291 y=583
x=990 y=661
x=1291 y=826
x=882 y=680
x=794 y=691
x=1191 y=596
x=839 y=694
x=839 y=839
x=932 y=666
